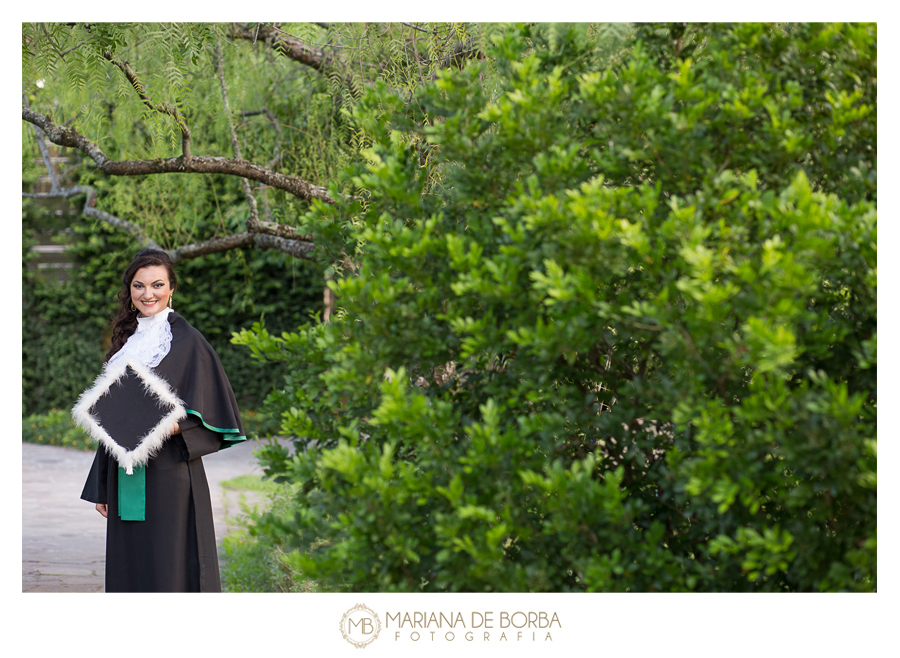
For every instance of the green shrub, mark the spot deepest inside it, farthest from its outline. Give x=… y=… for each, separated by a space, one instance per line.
x=56 y=428
x=610 y=327
x=252 y=562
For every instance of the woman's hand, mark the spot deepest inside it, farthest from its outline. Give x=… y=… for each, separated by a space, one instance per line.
x=103 y=509
x=176 y=429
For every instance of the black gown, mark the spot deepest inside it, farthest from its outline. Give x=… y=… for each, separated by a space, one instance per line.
x=174 y=548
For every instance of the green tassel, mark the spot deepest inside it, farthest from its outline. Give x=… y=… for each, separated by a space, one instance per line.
x=132 y=494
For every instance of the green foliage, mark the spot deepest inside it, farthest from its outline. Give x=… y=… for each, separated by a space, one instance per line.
x=249 y=566
x=616 y=333
x=61 y=357
x=252 y=561
x=221 y=293
x=56 y=428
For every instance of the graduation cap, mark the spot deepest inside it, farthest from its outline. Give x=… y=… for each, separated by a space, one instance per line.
x=130 y=410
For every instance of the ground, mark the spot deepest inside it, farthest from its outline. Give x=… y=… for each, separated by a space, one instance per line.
x=63 y=537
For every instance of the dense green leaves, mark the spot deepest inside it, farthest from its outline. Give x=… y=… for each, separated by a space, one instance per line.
x=618 y=333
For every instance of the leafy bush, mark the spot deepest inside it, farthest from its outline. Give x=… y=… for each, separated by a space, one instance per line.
x=252 y=562
x=56 y=428
x=608 y=326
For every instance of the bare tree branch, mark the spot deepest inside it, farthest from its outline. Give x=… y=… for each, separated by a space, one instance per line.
x=265 y=235
x=317 y=58
x=416 y=54
x=296 y=50
x=297 y=245
x=261 y=234
x=419 y=28
x=62 y=55
x=197 y=164
x=64 y=137
x=89 y=210
x=295 y=248
x=68 y=171
x=286 y=44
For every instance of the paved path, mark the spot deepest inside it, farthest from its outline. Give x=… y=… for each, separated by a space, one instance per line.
x=64 y=538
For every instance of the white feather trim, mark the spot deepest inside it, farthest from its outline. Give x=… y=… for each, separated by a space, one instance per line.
x=151 y=442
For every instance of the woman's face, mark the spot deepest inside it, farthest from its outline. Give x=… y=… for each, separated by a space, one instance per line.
x=150 y=289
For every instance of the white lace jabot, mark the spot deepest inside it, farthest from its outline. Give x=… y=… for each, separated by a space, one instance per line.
x=150 y=342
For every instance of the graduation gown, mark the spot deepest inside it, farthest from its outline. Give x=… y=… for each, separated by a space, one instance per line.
x=174 y=548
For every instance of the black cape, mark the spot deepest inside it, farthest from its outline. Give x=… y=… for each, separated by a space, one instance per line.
x=174 y=548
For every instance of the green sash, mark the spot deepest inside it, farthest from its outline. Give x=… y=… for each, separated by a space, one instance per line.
x=132 y=494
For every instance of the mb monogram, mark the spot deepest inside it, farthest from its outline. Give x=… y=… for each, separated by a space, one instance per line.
x=360 y=626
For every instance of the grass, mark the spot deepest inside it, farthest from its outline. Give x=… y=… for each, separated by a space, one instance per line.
x=253 y=562
x=250 y=483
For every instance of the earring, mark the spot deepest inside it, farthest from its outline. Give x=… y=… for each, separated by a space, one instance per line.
x=170 y=300
x=133 y=307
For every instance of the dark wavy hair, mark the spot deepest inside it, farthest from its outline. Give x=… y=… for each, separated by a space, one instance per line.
x=124 y=323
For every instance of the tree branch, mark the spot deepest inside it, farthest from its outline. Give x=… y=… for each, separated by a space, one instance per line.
x=279 y=233
x=462 y=51
x=286 y=44
x=163 y=108
x=296 y=50
x=89 y=210
x=420 y=29
x=64 y=137
x=295 y=248
x=62 y=55
x=416 y=54
x=45 y=155
x=264 y=235
x=197 y=164
x=270 y=236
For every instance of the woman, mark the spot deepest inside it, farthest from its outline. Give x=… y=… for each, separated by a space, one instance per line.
x=160 y=404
